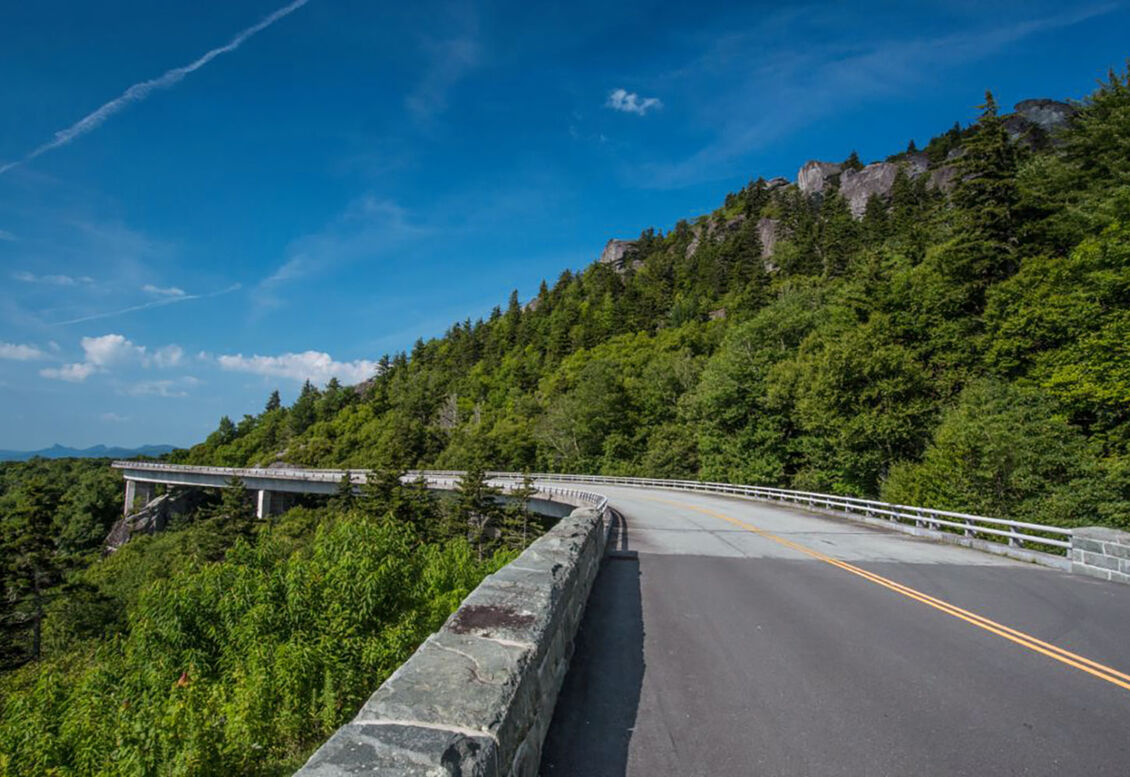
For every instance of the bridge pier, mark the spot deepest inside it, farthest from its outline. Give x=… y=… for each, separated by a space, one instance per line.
x=135 y=489
x=263 y=504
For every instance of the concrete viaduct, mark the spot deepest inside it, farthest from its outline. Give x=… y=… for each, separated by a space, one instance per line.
x=717 y=629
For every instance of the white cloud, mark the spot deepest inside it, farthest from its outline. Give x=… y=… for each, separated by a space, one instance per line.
x=169 y=291
x=52 y=280
x=315 y=366
x=6 y=235
x=114 y=350
x=20 y=353
x=143 y=89
x=113 y=418
x=72 y=373
x=630 y=102
x=169 y=356
x=109 y=350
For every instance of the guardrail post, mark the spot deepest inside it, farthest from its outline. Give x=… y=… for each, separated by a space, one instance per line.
x=969 y=528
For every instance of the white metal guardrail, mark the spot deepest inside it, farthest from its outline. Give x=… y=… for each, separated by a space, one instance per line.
x=1012 y=533
x=1015 y=534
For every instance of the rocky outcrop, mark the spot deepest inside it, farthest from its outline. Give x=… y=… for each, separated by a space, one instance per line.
x=859 y=186
x=1048 y=115
x=618 y=254
x=917 y=162
x=943 y=178
x=813 y=178
x=776 y=183
x=768 y=231
x=154 y=517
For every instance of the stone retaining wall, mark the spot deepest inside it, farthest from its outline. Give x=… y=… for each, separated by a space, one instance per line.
x=476 y=698
x=1101 y=552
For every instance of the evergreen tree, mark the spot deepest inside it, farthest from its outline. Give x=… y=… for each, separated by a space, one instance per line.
x=30 y=564
x=515 y=528
x=304 y=411
x=274 y=402
x=343 y=499
x=987 y=195
x=476 y=508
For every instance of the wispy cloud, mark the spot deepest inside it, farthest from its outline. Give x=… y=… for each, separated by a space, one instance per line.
x=20 y=353
x=113 y=418
x=448 y=61
x=171 y=389
x=53 y=280
x=143 y=89
x=166 y=300
x=6 y=235
x=369 y=228
x=630 y=102
x=72 y=373
x=169 y=291
x=315 y=366
x=799 y=86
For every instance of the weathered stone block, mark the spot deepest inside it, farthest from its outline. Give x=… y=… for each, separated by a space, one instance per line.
x=368 y=750
x=1100 y=561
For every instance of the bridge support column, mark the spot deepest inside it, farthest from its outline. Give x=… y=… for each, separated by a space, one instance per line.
x=146 y=491
x=131 y=495
x=263 y=504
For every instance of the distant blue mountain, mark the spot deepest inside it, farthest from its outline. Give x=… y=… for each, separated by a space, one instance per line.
x=97 y=452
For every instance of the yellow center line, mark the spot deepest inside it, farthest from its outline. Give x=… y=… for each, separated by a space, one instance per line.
x=1082 y=663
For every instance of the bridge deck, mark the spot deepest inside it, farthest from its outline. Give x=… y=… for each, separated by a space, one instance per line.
x=725 y=638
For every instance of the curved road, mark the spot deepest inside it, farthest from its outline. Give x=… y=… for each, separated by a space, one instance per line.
x=729 y=637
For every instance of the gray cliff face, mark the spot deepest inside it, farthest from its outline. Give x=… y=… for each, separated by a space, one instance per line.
x=814 y=176
x=618 y=254
x=859 y=186
x=1048 y=115
x=768 y=230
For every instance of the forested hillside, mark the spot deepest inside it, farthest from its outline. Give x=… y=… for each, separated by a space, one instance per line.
x=959 y=341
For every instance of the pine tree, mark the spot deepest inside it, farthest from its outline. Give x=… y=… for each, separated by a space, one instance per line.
x=343 y=499
x=476 y=507
x=304 y=411
x=987 y=194
x=515 y=527
x=30 y=563
x=274 y=402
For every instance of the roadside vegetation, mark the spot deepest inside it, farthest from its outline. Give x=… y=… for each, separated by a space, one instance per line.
x=227 y=645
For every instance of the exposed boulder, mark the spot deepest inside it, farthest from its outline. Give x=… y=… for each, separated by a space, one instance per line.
x=618 y=254
x=859 y=186
x=154 y=517
x=814 y=176
x=776 y=183
x=1048 y=115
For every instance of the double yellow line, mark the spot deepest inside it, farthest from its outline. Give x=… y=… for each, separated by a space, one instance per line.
x=1075 y=660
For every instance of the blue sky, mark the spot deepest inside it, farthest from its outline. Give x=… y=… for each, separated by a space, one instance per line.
x=198 y=206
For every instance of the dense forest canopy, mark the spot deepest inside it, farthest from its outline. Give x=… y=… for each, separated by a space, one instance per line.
x=960 y=346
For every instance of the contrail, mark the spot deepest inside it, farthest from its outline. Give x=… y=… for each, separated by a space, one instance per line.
x=141 y=90
x=157 y=303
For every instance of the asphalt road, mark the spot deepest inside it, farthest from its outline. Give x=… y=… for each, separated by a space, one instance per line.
x=727 y=637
